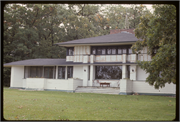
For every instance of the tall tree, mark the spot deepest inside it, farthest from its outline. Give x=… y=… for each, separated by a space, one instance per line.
x=158 y=34
x=135 y=12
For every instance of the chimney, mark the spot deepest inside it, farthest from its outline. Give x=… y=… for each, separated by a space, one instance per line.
x=120 y=30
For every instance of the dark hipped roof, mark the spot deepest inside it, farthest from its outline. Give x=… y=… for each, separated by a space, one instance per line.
x=38 y=62
x=111 y=38
x=56 y=62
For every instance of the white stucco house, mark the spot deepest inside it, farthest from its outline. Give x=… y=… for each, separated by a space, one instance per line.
x=104 y=60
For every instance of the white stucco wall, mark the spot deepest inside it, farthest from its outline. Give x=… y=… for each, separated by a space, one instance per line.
x=126 y=86
x=78 y=72
x=144 y=87
x=141 y=74
x=52 y=84
x=35 y=83
x=133 y=72
x=17 y=75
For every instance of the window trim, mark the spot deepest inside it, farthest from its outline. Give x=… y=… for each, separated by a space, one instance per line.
x=106 y=79
x=67 y=51
x=68 y=70
x=116 y=47
x=54 y=71
x=64 y=72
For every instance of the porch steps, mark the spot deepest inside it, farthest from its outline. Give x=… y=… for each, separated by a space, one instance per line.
x=95 y=89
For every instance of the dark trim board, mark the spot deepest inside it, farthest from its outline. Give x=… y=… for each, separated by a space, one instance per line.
x=16 y=88
x=125 y=93
x=157 y=94
x=153 y=94
x=59 y=90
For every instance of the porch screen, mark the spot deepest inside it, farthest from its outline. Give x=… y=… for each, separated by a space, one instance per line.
x=33 y=71
x=61 y=72
x=49 y=72
x=69 y=71
x=108 y=72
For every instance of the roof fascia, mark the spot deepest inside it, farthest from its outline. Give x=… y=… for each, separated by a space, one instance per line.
x=95 y=44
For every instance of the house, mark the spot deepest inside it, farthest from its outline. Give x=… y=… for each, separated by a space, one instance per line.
x=103 y=60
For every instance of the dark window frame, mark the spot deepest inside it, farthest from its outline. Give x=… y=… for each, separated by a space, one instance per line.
x=68 y=67
x=106 y=49
x=67 y=51
x=28 y=72
x=63 y=73
x=111 y=75
x=54 y=72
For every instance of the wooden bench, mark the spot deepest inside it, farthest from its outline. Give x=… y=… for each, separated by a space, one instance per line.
x=101 y=84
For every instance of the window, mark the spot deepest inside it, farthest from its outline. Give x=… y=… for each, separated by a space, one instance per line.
x=49 y=72
x=124 y=51
x=93 y=50
x=129 y=51
x=108 y=72
x=61 y=72
x=119 y=50
x=111 y=50
x=101 y=50
x=70 y=51
x=69 y=71
x=33 y=72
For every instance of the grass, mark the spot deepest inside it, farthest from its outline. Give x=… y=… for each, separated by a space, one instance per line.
x=54 y=105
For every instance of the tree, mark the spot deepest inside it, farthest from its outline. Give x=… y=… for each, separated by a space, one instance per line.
x=158 y=34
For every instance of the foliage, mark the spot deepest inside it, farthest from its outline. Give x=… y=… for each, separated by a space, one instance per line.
x=135 y=12
x=31 y=30
x=158 y=34
x=55 y=105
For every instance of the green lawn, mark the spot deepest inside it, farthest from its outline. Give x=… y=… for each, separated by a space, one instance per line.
x=54 y=105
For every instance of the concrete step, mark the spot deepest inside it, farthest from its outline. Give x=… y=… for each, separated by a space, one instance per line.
x=101 y=90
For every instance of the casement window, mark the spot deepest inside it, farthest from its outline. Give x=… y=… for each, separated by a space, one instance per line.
x=69 y=71
x=93 y=50
x=70 y=51
x=33 y=71
x=119 y=50
x=124 y=50
x=129 y=51
x=108 y=72
x=36 y=71
x=61 y=72
x=40 y=72
x=101 y=50
x=50 y=72
x=111 y=50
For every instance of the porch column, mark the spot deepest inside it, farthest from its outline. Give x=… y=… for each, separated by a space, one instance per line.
x=124 y=71
x=133 y=72
x=85 y=75
x=91 y=75
x=66 y=73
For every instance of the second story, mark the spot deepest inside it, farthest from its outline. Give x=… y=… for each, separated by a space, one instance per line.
x=115 y=47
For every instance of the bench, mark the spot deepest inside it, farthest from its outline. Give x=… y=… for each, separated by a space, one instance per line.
x=101 y=84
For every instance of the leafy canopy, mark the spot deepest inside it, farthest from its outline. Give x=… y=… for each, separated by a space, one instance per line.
x=158 y=34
